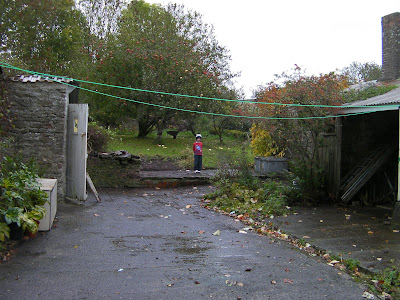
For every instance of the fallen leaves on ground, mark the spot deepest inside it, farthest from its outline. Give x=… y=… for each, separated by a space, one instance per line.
x=7 y=254
x=287 y=281
x=268 y=228
x=333 y=262
x=368 y=295
x=232 y=283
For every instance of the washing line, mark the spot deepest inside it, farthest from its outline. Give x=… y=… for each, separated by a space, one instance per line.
x=214 y=114
x=181 y=109
x=247 y=101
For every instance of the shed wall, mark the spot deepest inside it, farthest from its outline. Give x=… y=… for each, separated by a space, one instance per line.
x=40 y=111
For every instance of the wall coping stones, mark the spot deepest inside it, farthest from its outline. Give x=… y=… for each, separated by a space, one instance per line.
x=120 y=155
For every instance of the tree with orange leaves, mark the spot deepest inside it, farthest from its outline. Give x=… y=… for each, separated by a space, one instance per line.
x=297 y=120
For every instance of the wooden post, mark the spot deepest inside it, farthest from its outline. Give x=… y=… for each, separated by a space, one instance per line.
x=338 y=158
x=396 y=211
x=398 y=166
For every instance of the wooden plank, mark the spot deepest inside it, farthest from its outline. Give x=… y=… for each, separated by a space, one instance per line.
x=92 y=187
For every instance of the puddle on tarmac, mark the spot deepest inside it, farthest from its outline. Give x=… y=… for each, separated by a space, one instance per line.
x=193 y=250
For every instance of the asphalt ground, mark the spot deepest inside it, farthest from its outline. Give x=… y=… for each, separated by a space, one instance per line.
x=362 y=233
x=161 y=244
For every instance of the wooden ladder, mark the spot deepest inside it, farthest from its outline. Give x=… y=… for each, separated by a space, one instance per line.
x=357 y=177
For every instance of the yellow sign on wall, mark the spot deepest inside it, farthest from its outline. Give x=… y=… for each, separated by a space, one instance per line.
x=75 y=125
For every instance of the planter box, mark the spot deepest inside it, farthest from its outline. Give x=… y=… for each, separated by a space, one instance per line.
x=50 y=187
x=267 y=164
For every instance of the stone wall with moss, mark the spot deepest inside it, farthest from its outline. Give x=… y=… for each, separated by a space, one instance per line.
x=39 y=111
x=118 y=169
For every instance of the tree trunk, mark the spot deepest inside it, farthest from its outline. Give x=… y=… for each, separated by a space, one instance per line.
x=218 y=128
x=145 y=126
x=160 y=130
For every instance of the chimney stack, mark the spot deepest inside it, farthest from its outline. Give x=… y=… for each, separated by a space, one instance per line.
x=391 y=46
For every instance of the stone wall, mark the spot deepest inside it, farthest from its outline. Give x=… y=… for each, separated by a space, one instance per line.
x=117 y=169
x=40 y=110
x=391 y=46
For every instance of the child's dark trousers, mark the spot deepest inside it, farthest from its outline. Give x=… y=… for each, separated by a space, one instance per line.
x=198 y=162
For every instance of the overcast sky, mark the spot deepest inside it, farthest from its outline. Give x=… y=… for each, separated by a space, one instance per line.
x=268 y=37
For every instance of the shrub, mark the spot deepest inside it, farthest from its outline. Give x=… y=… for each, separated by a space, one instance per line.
x=269 y=198
x=237 y=134
x=308 y=181
x=98 y=138
x=388 y=281
x=352 y=264
x=186 y=159
x=240 y=191
x=363 y=94
x=236 y=168
x=21 y=199
x=263 y=144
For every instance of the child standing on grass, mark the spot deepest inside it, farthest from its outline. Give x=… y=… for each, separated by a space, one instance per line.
x=198 y=153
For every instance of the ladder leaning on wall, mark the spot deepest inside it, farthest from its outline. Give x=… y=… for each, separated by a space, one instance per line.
x=357 y=177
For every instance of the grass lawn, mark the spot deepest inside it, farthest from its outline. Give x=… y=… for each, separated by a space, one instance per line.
x=180 y=149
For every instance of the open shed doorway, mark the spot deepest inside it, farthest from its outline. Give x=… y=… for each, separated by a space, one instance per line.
x=369 y=148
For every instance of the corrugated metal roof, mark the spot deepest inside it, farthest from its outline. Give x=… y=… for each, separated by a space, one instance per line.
x=390 y=99
x=37 y=78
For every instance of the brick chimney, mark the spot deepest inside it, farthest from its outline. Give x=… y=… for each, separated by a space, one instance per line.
x=391 y=46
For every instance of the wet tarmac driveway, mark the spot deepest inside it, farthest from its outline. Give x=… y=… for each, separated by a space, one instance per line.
x=159 y=244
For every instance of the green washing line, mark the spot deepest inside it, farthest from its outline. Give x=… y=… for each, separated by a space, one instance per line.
x=187 y=110
x=210 y=113
x=250 y=101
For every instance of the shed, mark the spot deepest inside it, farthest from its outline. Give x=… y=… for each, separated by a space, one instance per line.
x=364 y=160
x=41 y=107
x=369 y=147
